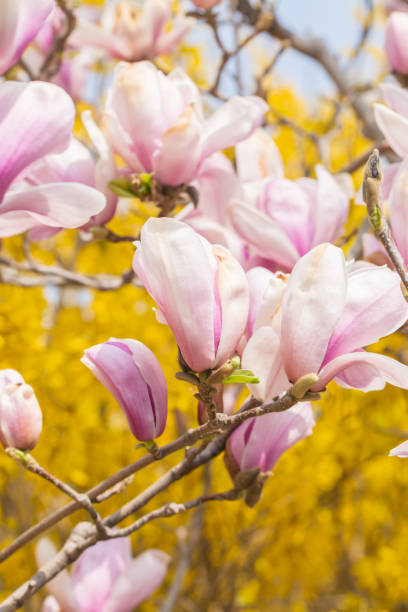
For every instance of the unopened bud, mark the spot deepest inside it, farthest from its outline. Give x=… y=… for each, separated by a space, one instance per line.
x=20 y=413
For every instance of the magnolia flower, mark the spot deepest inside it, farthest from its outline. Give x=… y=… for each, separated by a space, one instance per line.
x=259 y=442
x=20 y=21
x=131 y=372
x=329 y=312
x=288 y=217
x=201 y=290
x=36 y=120
x=396 y=46
x=105 y=578
x=20 y=413
x=156 y=124
x=76 y=164
x=132 y=34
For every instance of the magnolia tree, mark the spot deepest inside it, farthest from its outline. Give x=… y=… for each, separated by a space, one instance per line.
x=267 y=296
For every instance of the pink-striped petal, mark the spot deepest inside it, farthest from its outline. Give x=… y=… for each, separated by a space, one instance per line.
x=394 y=127
x=141 y=578
x=312 y=304
x=35 y=119
x=381 y=370
x=258 y=157
x=400 y=451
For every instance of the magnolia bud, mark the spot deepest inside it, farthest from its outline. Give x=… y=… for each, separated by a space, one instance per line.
x=20 y=413
x=131 y=372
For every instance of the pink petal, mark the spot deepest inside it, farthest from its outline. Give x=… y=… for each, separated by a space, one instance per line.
x=262 y=355
x=60 y=587
x=96 y=572
x=57 y=205
x=168 y=40
x=143 y=576
x=217 y=186
x=375 y=307
x=50 y=604
x=266 y=291
x=313 y=302
x=396 y=96
x=20 y=22
x=394 y=127
x=260 y=442
x=233 y=295
x=264 y=234
x=332 y=208
x=387 y=370
x=177 y=160
x=287 y=204
x=398 y=205
x=400 y=451
x=232 y=122
x=258 y=158
x=36 y=119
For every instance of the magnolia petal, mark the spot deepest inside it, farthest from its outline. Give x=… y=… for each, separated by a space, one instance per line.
x=394 y=127
x=262 y=355
x=400 y=451
x=387 y=371
x=375 y=307
x=96 y=572
x=258 y=157
x=312 y=304
x=260 y=442
x=398 y=205
x=232 y=122
x=332 y=207
x=396 y=96
x=142 y=577
x=233 y=293
x=20 y=22
x=59 y=587
x=58 y=205
x=263 y=234
x=176 y=161
x=27 y=136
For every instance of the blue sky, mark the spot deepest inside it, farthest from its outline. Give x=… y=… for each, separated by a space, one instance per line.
x=336 y=23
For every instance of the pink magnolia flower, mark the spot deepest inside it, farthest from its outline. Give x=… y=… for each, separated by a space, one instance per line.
x=343 y=309
x=201 y=290
x=131 y=372
x=396 y=46
x=259 y=442
x=105 y=578
x=36 y=119
x=20 y=413
x=288 y=217
x=329 y=312
x=400 y=451
x=265 y=298
x=131 y=34
x=156 y=124
x=77 y=165
x=20 y=21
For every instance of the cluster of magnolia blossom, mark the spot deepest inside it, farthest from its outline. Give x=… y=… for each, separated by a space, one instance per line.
x=248 y=273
